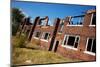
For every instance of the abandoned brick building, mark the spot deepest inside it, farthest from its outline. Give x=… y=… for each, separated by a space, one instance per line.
x=73 y=37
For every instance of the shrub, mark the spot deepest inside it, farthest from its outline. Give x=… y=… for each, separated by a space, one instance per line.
x=19 y=41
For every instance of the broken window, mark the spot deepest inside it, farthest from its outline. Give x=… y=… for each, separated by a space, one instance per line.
x=46 y=36
x=37 y=34
x=43 y=23
x=91 y=45
x=61 y=26
x=93 y=19
x=77 y=20
x=65 y=40
x=71 y=41
x=76 y=42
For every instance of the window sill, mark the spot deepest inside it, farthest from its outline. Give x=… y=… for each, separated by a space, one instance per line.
x=90 y=53
x=74 y=25
x=92 y=25
x=69 y=47
x=59 y=33
x=44 y=27
x=36 y=38
x=44 y=40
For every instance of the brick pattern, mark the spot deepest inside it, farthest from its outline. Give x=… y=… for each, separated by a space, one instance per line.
x=84 y=31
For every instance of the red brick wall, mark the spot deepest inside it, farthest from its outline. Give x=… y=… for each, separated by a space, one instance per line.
x=84 y=32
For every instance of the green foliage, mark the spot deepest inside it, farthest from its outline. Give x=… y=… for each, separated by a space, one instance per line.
x=19 y=41
x=17 y=16
x=14 y=29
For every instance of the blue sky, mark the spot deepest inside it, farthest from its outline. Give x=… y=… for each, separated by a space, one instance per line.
x=34 y=9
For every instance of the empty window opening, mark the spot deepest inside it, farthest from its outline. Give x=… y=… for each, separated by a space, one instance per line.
x=43 y=23
x=46 y=36
x=39 y=23
x=77 y=20
x=91 y=45
x=76 y=42
x=37 y=34
x=61 y=26
x=72 y=41
x=93 y=19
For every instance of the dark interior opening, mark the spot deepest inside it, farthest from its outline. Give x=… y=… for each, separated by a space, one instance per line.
x=57 y=43
x=94 y=19
x=76 y=43
x=89 y=45
x=37 y=34
x=71 y=41
x=46 y=36
x=94 y=46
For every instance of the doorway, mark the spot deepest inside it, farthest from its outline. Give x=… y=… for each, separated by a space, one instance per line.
x=56 y=43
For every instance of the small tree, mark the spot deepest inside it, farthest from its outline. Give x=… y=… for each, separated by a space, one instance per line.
x=17 y=17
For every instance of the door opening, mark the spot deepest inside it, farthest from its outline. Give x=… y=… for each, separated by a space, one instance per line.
x=56 y=46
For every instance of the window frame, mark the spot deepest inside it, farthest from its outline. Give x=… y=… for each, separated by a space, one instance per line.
x=36 y=33
x=81 y=19
x=92 y=20
x=68 y=46
x=44 y=35
x=74 y=25
x=89 y=52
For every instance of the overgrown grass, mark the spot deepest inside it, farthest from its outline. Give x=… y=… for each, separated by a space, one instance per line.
x=22 y=55
x=19 y=41
x=35 y=44
x=29 y=56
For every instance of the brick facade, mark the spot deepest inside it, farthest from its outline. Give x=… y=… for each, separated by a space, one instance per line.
x=57 y=35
